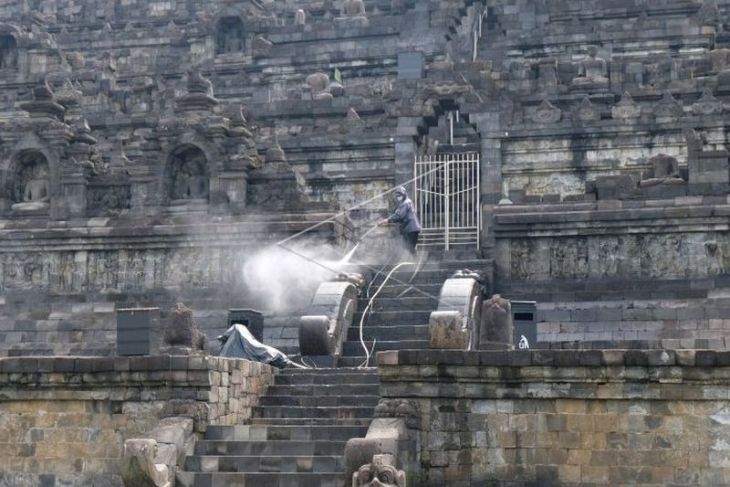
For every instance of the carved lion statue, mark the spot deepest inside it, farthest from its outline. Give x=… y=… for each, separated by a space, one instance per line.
x=138 y=467
x=381 y=472
x=180 y=329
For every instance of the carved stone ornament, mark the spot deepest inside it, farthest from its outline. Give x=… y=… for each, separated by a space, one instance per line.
x=399 y=408
x=626 y=108
x=547 y=113
x=707 y=104
x=180 y=330
x=668 y=107
x=587 y=111
x=138 y=467
x=496 y=324
x=381 y=472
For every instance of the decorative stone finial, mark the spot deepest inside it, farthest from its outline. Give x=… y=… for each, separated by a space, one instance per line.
x=626 y=108
x=275 y=154
x=197 y=83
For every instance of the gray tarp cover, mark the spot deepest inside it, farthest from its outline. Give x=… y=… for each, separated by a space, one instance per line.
x=238 y=342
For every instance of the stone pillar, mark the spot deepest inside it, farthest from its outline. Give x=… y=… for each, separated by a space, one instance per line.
x=405 y=149
x=144 y=187
x=74 y=194
x=235 y=185
x=490 y=130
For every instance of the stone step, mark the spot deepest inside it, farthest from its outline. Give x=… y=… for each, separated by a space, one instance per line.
x=405 y=291
x=279 y=432
x=319 y=401
x=324 y=390
x=265 y=463
x=355 y=360
x=362 y=422
x=355 y=348
x=259 y=479
x=268 y=447
x=393 y=317
x=411 y=303
x=313 y=378
x=422 y=278
x=341 y=412
x=328 y=372
x=388 y=332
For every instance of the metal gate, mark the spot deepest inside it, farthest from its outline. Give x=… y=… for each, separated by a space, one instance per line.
x=447 y=199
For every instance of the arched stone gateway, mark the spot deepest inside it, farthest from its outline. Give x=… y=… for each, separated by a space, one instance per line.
x=187 y=174
x=29 y=182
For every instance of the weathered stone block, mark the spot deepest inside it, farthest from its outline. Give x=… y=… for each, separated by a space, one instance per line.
x=446 y=331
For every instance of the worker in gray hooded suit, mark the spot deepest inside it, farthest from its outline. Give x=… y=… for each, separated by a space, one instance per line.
x=406 y=218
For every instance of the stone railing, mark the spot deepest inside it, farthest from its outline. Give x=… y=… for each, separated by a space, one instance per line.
x=609 y=417
x=456 y=322
x=68 y=418
x=324 y=328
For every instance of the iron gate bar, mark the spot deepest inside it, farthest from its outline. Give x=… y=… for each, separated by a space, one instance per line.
x=447 y=199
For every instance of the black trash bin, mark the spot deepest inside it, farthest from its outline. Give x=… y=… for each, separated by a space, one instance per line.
x=524 y=324
x=138 y=331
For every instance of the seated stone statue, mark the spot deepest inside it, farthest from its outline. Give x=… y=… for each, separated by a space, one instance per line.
x=189 y=183
x=319 y=85
x=353 y=8
x=300 y=18
x=664 y=170
x=196 y=187
x=8 y=53
x=592 y=70
x=353 y=11
x=36 y=194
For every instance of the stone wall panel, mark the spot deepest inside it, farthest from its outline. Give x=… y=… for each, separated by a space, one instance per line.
x=65 y=420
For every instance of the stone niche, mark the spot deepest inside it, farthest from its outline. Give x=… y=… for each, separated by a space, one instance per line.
x=28 y=182
x=229 y=35
x=8 y=52
x=187 y=179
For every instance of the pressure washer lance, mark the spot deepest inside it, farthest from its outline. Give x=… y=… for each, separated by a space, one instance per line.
x=348 y=256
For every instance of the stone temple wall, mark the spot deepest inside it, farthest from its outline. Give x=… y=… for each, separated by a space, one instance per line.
x=604 y=123
x=70 y=416
x=566 y=417
x=60 y=291
x=615 y=251
x=141 y=159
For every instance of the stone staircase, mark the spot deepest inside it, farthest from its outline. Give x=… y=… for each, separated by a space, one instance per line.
x=297 y=435
x=399 y=319
x=298 y=432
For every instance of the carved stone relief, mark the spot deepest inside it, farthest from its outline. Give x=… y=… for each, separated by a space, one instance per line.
x=652 y=256
x=547 y=113
x=587 y=111
x=707 y=104
x=120 y=270
x=626 y=108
